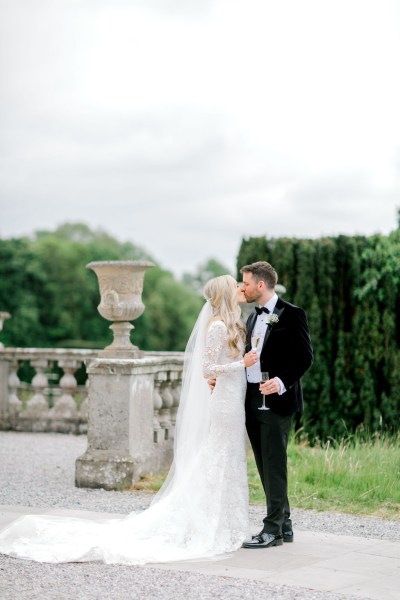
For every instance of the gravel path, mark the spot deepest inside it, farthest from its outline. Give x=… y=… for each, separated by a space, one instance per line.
x=24 y=580
x=38 y=470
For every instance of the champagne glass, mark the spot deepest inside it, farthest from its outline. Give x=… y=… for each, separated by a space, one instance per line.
x=255 y=340
x=264 y=378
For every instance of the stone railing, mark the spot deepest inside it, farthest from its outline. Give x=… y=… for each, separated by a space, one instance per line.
x=39 y=390
x=46 y=396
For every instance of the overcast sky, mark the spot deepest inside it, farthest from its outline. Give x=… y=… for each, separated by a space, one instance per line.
x=185 y=125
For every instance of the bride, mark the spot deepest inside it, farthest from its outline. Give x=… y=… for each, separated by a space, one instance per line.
x=201 y=510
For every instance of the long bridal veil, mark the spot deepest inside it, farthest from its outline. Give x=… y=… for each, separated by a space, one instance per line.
x=193 y=416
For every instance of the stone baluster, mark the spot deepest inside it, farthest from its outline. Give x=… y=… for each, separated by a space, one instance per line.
x=65 y=406
x=14 y=403
x=165 y=412
x=157 y=403
x=3 y=317
x=37 y=405
x=176 y=380
x=4 y=408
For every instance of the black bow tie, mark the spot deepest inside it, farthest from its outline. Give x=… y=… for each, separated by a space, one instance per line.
x=261 y=310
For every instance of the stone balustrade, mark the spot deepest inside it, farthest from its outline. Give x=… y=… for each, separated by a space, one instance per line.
x=52 y=400
x=39 y=390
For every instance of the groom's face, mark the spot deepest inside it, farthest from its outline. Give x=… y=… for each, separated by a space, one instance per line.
x=251 y=288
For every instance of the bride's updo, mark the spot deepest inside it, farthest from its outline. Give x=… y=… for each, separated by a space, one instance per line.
x=221 y=292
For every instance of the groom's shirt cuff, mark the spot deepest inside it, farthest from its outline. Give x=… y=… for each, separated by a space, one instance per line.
x=283 y=389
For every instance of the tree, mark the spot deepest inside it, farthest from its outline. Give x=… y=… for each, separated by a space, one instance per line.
x=53 y=298
x=21 y=284
x=204 y=272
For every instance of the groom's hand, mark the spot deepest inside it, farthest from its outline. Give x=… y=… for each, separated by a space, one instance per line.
x=272 y=386
x=211 y=383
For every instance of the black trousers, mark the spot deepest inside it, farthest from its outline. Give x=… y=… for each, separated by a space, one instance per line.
x=268 y=434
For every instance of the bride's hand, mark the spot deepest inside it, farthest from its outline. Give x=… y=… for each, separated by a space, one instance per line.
x=211 y=384
x=250 y=358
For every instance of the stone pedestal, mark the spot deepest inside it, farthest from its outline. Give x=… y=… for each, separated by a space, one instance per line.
x=120 y=425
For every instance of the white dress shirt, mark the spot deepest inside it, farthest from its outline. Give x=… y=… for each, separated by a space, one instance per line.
x=260 y=329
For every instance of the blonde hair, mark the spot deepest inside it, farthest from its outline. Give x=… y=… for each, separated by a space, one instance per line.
x=221 y=292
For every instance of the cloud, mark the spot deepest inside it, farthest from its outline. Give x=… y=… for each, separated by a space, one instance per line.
x=185 y=125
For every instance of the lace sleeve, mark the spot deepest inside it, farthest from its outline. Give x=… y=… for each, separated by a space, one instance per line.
x=216 y=341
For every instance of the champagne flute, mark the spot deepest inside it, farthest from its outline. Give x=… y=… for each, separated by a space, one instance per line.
x=264 y=378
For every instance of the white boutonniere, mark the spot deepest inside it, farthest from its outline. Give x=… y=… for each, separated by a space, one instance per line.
x=272 y=319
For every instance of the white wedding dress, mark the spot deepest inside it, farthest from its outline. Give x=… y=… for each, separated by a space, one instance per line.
x=202 y=509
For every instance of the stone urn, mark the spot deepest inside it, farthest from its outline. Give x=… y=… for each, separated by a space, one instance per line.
x=3 y=317
x=121 y=286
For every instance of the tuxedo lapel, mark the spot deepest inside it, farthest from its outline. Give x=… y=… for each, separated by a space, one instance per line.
x=250 y=326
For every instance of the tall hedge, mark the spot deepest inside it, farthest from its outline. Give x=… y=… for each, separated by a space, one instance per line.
x=350 y=289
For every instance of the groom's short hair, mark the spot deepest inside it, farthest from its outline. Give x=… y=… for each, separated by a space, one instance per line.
x=262 y=271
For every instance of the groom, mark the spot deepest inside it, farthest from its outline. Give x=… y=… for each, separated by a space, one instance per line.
x=286 y=353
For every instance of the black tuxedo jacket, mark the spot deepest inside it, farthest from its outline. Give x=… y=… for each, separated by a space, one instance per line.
x=286 y=353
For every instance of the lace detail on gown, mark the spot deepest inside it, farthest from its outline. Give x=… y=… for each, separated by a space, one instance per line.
x=217 y=340
x=205 y=515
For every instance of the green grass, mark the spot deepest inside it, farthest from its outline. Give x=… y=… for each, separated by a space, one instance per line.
x=358 y=476
x=353 y=476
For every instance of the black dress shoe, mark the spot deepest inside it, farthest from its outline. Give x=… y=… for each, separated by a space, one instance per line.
x=253 y=537
x=264 y=540
x=288 y=536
